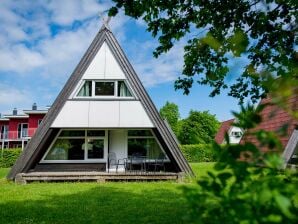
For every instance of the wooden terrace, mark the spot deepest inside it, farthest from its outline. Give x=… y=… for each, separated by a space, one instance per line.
x=23 y=178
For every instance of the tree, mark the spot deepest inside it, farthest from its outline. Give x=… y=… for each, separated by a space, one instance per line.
x=170 y=112
x=264 y=31
x=258 y=189
x=198 y=127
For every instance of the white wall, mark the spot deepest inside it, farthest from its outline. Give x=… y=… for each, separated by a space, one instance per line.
x=233 y=139
x=104 y=66
x=102 y=114
x=118 y=143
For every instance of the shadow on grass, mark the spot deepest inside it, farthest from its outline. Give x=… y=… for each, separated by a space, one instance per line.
x=98 y=203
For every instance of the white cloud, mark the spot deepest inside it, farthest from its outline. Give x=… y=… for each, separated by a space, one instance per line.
x=20 y=59
x=10 y=96
x=55 y=57
x=165 y=68
x=66 y=11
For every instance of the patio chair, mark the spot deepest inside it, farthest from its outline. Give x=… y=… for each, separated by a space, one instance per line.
x=158 y=164
x=112 y=161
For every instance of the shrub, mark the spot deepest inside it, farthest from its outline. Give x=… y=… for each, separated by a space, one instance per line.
x=9 y=157
x=198 y=153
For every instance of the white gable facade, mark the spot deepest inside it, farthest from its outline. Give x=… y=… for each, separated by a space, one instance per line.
x=103 y=111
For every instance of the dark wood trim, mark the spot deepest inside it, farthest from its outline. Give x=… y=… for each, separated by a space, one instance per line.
x=35 y=147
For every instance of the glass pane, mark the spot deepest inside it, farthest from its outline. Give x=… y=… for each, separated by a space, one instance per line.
x=145 y=147
x=139 y=133
x=72 y=133
x=95 y=148
x=123 y=91
x=96 y=133
x=86 y=89
x=67 y=149
x=104 y=88
x=19 y=130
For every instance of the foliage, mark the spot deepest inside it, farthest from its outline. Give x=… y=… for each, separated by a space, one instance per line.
x=9 y=156
x=199 y=153
x=112 y=202
x=265 y=32
x=170 y=112
x=198 y=127
x=248 y=186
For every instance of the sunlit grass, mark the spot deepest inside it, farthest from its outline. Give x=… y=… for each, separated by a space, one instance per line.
x=140 y=202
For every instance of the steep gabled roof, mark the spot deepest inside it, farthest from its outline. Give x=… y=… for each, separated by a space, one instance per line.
x=224 y=128
x=34 y=146
x=275 y=118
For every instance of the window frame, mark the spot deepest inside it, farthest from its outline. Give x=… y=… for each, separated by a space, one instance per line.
x=147 y=137
x=93 y=96
x=20 y=133
x=85 y=137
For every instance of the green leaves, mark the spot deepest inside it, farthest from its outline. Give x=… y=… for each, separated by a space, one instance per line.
x=247 y=185
x=238 y=42
x=264 y=31
x=211 y=41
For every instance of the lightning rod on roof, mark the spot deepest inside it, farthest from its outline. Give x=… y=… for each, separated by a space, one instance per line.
x=105 y=18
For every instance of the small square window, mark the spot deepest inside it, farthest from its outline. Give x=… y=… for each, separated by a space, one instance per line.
x=104 y=89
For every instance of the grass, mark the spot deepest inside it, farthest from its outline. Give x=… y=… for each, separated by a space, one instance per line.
x=139 y=202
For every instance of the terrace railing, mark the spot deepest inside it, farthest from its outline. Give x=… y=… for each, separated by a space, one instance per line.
x=18 y=135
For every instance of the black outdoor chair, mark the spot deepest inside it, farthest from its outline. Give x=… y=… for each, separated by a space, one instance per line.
x=112 y=161
x=158 y=164
x=136 y=160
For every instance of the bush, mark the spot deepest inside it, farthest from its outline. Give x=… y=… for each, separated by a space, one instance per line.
x=198 y=153
x=9 y=157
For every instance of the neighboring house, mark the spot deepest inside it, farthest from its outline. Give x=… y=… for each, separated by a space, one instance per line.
x=234 y=133
x=17 y=129
x=279 y=120
x=103 y=115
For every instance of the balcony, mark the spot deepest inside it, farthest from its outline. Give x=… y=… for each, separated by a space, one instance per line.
x=25 y=134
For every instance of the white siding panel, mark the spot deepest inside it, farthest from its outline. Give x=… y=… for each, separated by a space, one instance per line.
x=104 y=66
x=104 y=114
x=132 y=114
x=73 y=114
x=97 y=65
x=113 y=70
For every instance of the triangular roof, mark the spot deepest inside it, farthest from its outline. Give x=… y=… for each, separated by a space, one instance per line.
x=223 y=129
x=31 y=152
x=275 y=118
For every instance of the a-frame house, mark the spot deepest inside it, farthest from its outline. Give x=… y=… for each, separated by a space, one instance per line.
x=103 y=111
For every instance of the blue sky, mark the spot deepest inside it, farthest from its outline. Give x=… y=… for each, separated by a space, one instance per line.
x=41 y=42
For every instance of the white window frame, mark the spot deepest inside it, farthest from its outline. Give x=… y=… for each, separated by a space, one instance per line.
x=93 y=96
x=4 y=131
x=21 y=135
x=85 y=160
x=147 y=137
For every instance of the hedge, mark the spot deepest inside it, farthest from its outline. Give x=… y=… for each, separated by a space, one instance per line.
x=198 y=153
x=193 y=153
x=9 y=156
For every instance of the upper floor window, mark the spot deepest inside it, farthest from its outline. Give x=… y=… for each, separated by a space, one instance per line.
x=86 y=89
x=104 y=88
x=94 y=88
x=236 y=134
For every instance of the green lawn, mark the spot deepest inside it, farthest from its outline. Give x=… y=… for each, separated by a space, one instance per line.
x=139 y=202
